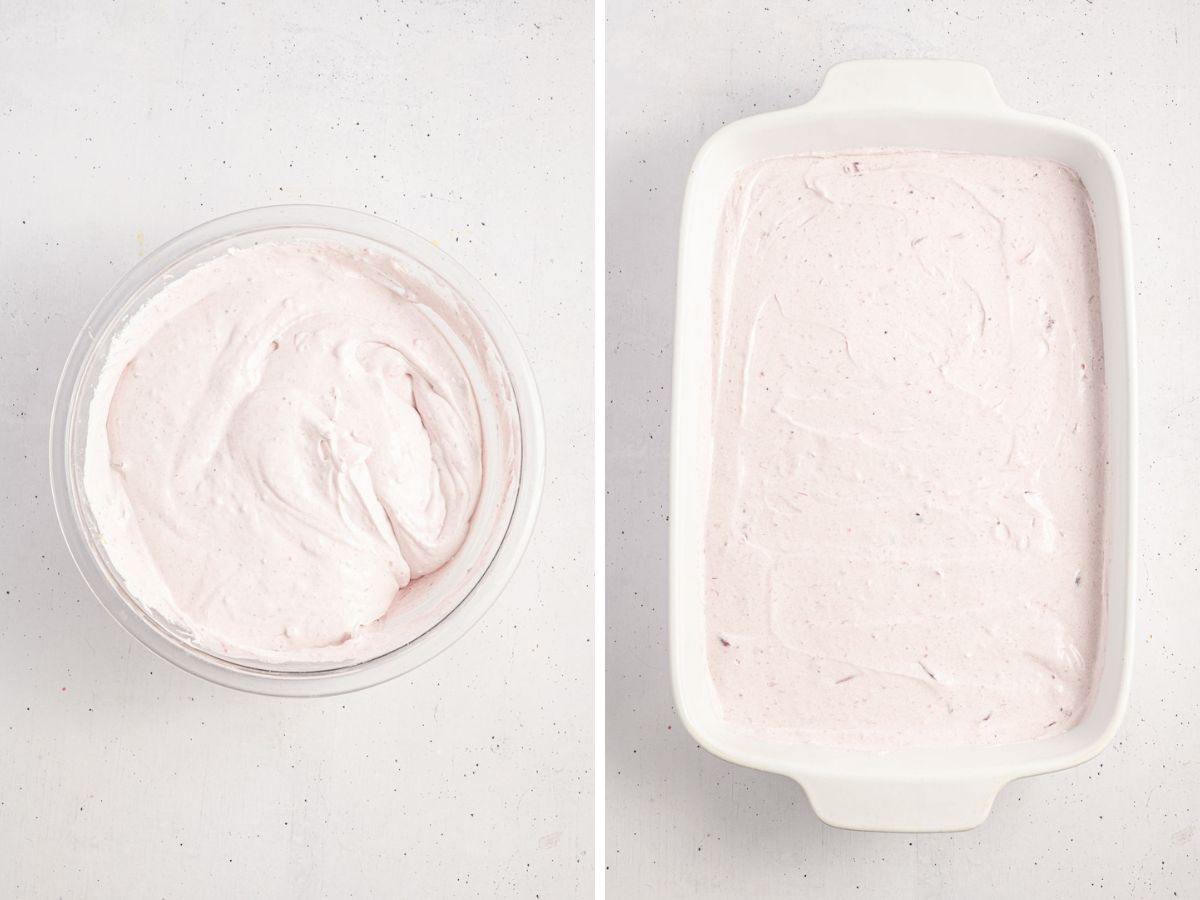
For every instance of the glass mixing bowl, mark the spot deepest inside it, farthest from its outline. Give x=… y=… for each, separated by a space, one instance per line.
x=505 y=543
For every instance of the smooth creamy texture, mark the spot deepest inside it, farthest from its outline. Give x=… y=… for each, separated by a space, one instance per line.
x=905 y=537
x=287 y=450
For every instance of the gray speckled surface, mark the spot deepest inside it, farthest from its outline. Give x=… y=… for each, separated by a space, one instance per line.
x=124 y=123
x=682 y=823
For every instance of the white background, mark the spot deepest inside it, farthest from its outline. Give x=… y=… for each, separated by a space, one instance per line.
x=124 y=123
x=682 y=823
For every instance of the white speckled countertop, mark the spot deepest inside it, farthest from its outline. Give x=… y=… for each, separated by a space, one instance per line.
x=125 y=123
x=682 y=823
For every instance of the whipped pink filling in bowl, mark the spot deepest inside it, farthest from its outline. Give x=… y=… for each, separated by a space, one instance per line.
x=297 y=450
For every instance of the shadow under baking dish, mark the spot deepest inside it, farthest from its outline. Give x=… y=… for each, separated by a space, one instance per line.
x=499 y=549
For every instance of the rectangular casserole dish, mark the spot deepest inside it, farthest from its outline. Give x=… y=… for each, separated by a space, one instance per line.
x=926 y=104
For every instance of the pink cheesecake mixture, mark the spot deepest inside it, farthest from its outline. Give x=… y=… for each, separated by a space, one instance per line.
x=906 y=541
x=297 y=450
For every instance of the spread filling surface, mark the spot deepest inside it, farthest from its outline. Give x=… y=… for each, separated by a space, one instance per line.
x=905 y=541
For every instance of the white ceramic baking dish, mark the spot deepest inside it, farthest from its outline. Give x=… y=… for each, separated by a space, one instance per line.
x=936 y=105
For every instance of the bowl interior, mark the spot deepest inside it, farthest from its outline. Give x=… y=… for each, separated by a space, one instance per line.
x=466 y=585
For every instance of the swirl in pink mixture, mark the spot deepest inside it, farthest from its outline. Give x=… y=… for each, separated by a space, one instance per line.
x=906 y=540
x=289 y=450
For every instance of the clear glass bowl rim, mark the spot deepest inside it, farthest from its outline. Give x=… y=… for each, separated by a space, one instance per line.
x=396 y=662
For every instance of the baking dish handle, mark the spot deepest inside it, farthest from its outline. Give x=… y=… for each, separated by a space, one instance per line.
x=913 y=85
x=906 y=806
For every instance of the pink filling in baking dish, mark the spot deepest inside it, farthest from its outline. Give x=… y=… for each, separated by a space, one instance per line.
x=905 y=542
